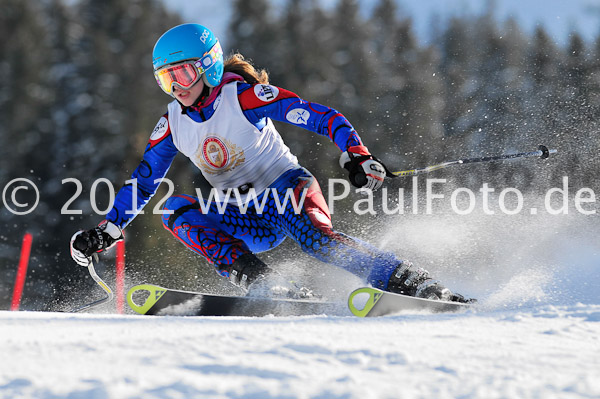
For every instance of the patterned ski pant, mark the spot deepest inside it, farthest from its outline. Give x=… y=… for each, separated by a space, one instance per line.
x=222 y=235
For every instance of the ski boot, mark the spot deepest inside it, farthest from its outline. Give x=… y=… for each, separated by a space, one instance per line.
x=258 y=280
x=246 y=270
x=411 y=281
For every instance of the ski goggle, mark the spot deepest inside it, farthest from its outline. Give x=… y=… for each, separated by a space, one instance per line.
x=185 y=74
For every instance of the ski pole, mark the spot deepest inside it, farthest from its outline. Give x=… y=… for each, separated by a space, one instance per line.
x=101 y=283
x=543 y=152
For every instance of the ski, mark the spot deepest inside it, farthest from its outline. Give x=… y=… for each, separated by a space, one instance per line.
x=362 y=302
x=371 y=302
x=162 y=301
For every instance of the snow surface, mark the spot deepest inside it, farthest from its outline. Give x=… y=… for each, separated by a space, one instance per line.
x=544 y=352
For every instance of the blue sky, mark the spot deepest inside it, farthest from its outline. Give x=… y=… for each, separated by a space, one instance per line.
x=559 y=17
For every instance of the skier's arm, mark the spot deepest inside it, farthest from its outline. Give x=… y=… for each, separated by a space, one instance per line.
x=259 y=102
x=158 y=156
x=266 y=101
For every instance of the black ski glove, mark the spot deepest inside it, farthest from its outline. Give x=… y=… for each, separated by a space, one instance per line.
x=365 y=170
x=85 y=243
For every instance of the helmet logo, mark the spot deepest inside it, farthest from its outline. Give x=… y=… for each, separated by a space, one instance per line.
x=204 y=36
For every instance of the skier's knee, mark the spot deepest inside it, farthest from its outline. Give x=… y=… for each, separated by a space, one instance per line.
x=176 y=206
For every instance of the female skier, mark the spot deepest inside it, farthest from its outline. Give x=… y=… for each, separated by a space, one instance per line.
x=221 y=119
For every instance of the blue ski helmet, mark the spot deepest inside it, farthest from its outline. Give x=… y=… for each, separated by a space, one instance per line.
x=190 y=42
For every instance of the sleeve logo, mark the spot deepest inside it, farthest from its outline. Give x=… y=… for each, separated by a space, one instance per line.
x=298 y=116
x=160 y=129
x=266 y=93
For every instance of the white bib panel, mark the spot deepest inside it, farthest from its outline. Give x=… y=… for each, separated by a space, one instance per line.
x=229 y=150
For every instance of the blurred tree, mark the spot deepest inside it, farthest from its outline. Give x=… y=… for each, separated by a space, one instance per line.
x=407 y=89
x=389 y=38
x=574 y=114
x=254 y=34
x=24 y=94
x=457 y=67
x=296 y=41
x=543 y=59
x=354 y=65
x=319 y=44
x=543 y=63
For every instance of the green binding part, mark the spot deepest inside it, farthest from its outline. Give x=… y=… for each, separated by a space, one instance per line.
x=374 y=295
x=155 y=291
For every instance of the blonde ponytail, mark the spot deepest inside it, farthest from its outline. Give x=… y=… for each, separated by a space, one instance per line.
x=236 y=63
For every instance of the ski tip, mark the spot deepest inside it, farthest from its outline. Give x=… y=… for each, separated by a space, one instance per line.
x=152 y=294
x=362 y=300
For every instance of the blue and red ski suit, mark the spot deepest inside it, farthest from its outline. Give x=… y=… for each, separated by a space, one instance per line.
x=223 y=236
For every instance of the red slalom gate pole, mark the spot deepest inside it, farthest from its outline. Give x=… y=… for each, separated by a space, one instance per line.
x=21 y=272
x=120 y=275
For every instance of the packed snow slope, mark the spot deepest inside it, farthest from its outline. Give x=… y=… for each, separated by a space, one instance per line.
x=534 y=334
x=546 y=352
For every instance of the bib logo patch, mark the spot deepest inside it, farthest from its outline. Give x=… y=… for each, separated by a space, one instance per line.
x=266 y=93
x=216 y=155
x=298 y=116
x=161 y=128
x=215 y=152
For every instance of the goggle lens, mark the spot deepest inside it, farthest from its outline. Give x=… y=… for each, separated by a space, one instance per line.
x=185 y=75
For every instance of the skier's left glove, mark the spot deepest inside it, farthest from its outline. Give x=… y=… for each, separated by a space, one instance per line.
x=85 y=243
x=365 y=170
